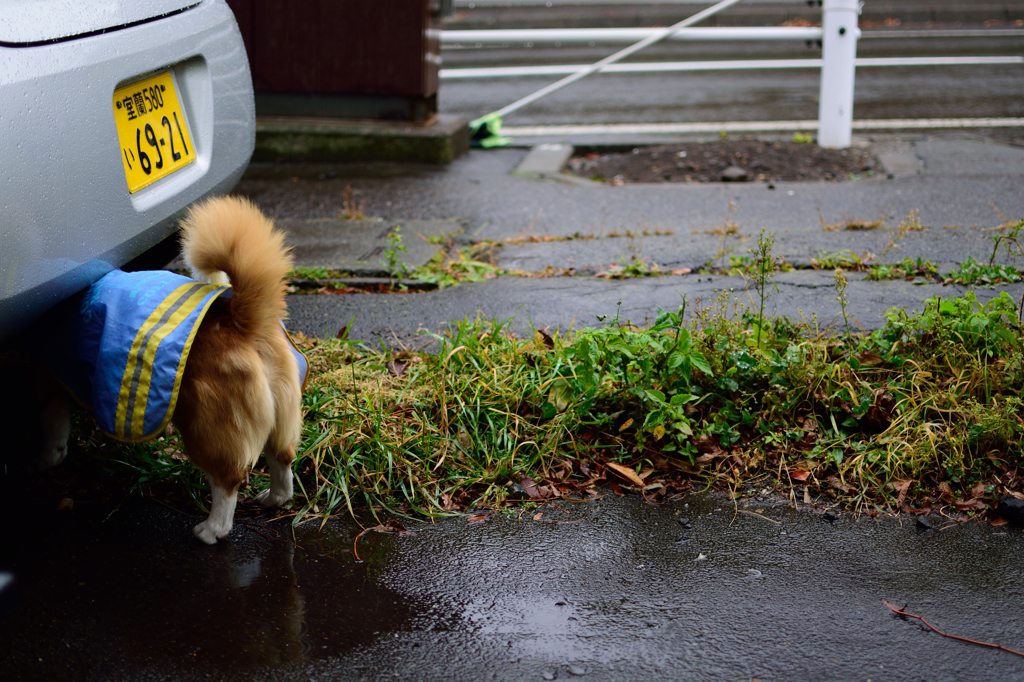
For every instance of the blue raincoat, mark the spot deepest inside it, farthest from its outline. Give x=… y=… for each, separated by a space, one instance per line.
x=122 y=349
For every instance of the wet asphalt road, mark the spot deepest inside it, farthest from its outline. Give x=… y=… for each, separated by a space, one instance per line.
x=612 y=589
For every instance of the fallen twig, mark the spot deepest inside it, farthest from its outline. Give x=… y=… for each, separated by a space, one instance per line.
x=899 y=611
x=957 y=523
x=390 y=527
x=744 y=511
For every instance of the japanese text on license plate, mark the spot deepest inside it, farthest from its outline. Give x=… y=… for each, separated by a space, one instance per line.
x=152 y=130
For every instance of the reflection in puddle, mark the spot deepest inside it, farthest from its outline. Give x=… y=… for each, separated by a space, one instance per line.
x=613 y=597
x=115 y=599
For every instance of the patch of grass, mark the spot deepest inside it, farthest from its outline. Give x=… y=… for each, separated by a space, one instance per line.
x=912 y=223
x=468 y=264
x=851 y=223
x=744 y=266
x=909 y=224
x=845 y=259
x=932 y=398
x=973 y=273
x=1009 y=238
x=304 y=272
x=392 y=261
x=635 y=266
x=908 y=268
x=728 y=228
x=925 y=411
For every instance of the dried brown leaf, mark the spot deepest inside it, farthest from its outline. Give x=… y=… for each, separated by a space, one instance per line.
x=626 y=473
x=800 y=474
x=901 y=487
x=530 y=487
x=946 y=492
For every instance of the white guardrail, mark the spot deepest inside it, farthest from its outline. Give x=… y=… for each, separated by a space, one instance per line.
x=838 y=34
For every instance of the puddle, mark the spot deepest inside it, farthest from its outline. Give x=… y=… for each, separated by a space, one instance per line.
x=137 y=593
x=613 y=589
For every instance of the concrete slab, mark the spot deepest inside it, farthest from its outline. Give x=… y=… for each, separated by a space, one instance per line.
x=358 y=246
x=898 y=157
x=479 y=190
x=441 y=141
x=576 y=302
x=959 y=157
x=544 y=159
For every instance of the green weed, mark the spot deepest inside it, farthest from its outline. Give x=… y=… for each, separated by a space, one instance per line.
x=973 y=273
x=1009 y=238
x=845 y=259
x=908 y=268
x=840 y=282
x=635 y=266
x=763 y=273
x=305 y=272
x=392 y=261
x=466 y=265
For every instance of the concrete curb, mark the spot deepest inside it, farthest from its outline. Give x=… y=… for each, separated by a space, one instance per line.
x=336 y=140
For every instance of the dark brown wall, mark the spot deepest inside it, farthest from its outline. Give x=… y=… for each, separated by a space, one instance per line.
x=340 y=47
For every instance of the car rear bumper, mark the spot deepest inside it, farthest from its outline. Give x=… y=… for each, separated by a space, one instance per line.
x=66 y=216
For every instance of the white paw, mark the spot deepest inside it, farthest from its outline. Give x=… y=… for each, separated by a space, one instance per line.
x=210 y=532
x=52 y=455
x=273 y=498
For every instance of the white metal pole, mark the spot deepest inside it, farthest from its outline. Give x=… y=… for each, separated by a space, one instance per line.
x=838 y=55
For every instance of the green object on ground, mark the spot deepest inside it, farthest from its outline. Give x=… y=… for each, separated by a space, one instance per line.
x=485 y=132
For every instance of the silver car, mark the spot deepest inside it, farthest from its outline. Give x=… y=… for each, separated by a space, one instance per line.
x=114 y=116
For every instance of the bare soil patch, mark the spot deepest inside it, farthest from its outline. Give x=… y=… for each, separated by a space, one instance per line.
x=743 y=160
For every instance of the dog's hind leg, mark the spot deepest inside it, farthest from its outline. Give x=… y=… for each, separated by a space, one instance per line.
x=55 y=418
x=280 y=490
x=222 y=513
x=280 y=446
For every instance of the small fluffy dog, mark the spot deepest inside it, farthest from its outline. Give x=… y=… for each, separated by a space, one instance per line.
x=232 y=379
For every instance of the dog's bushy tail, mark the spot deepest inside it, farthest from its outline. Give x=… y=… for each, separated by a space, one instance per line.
x=230 y=236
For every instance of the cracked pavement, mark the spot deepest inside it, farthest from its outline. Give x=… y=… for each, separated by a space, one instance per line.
x=960 y=187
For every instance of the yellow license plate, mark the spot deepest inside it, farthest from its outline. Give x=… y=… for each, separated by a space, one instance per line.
x=152 y=130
